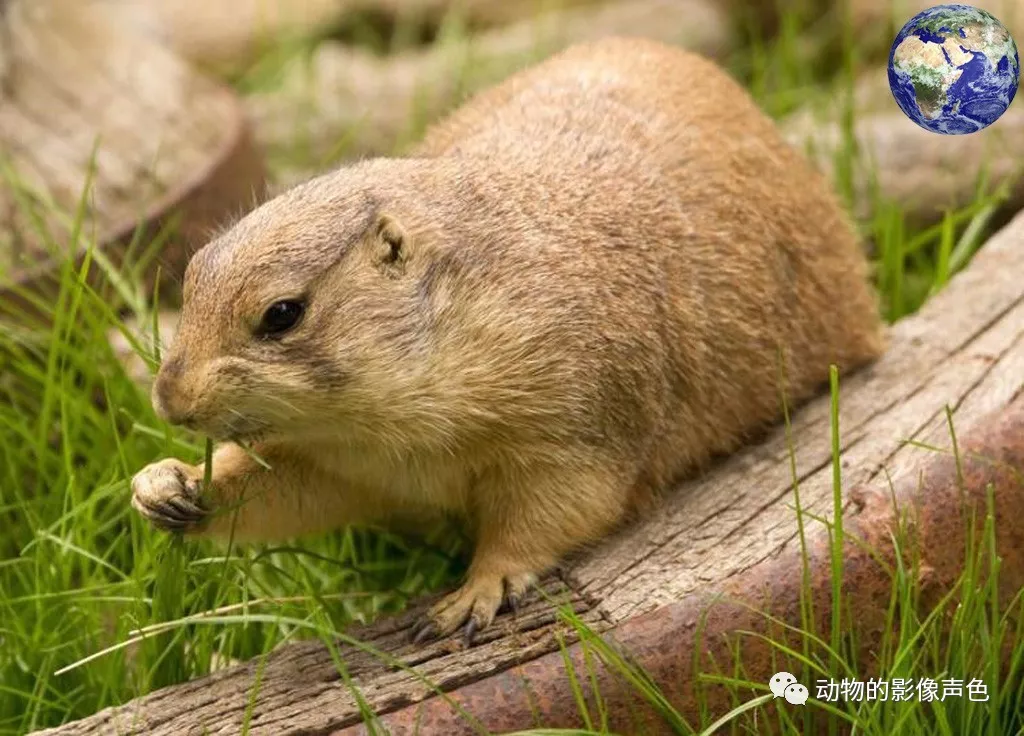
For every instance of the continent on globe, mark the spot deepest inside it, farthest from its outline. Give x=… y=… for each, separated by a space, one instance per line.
x=954 y=69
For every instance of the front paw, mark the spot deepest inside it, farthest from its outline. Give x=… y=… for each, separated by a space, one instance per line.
x=167 y=493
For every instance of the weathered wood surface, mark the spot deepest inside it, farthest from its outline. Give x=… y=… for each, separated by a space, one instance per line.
x=964 y=350
x=86 y=102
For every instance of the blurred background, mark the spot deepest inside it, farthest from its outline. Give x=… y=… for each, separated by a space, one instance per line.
x=192 y=109
x=131 y=130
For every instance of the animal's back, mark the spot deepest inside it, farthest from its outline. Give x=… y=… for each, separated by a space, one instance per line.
x=708 y=249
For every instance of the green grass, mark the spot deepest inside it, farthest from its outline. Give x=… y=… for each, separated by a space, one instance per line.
x=89 y=591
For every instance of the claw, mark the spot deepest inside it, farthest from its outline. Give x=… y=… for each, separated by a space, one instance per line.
x=415 y=629
x=159 y=517
x=423 y=631
x=164 y=494
x=186 y=509
x=472 y=607
x=170 y=513
x=469 y=631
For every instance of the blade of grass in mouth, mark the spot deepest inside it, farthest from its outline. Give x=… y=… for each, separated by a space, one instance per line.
x=208 y=468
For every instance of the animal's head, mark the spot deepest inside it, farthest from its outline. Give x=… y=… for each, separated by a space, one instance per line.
x=309 y=312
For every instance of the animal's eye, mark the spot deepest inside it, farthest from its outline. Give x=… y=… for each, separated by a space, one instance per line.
x=281 y=317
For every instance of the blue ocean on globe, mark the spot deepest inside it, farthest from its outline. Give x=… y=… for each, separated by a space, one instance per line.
x=954 y=69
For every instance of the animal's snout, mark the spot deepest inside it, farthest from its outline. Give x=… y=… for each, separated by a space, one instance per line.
x=170 y=401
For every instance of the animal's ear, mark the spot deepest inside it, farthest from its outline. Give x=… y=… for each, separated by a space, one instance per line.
x=389 y=243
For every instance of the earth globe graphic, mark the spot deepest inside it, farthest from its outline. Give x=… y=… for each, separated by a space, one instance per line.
x=954 y=69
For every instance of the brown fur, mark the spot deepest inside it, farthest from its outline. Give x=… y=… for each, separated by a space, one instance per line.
x=602 y=261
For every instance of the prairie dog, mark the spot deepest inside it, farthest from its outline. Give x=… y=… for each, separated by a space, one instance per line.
x=576 y=290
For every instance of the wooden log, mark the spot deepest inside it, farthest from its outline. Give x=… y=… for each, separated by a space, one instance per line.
x=876 y=22
x=87 y=102
x=730 y=532
x=927 y=175
x=897 y=161
x=354 y=101
x=226 y=36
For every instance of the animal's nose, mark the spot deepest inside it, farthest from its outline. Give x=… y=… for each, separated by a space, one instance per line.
x=169 y=401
